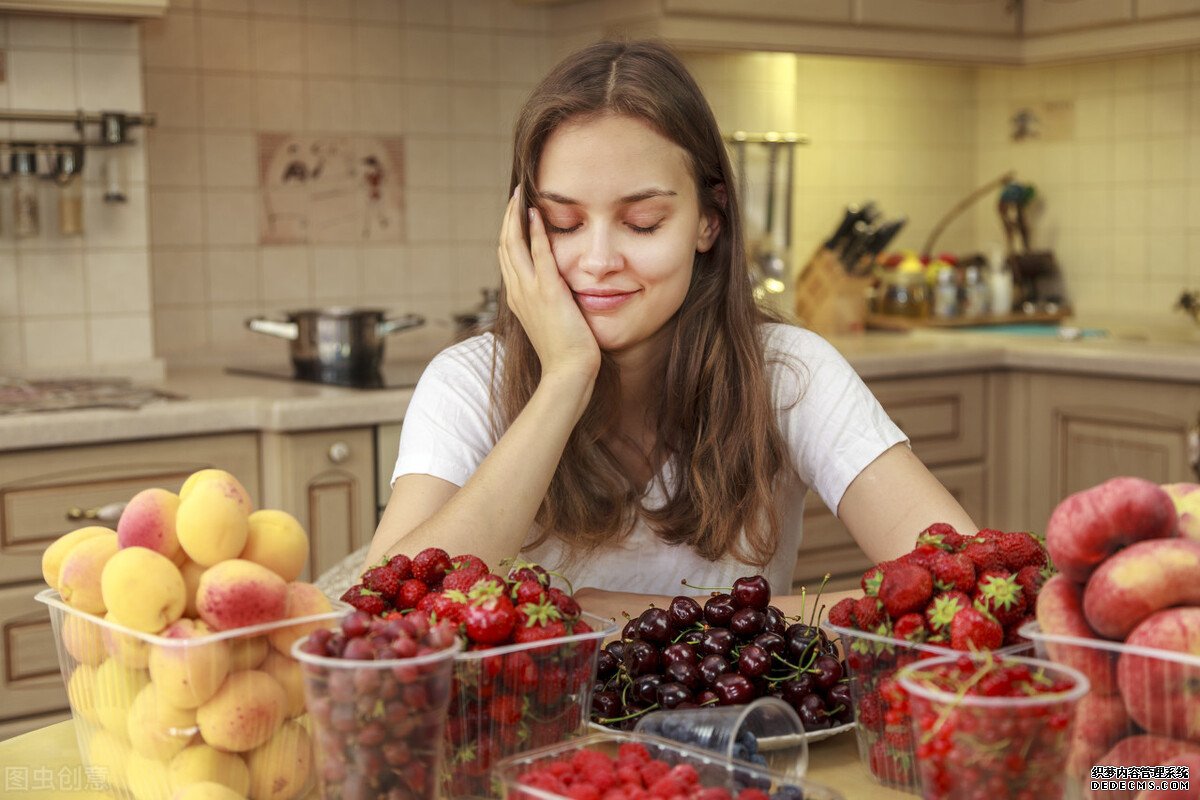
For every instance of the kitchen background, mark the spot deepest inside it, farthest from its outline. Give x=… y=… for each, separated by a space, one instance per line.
x=171 y=274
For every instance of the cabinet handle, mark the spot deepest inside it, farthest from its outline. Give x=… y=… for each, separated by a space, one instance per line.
x=107 y=514
x=339 y=452
x=1193 y=449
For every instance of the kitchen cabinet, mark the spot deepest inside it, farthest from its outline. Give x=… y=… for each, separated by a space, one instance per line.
x=326 y=479
x=47 y=492
x=1051 y=16
x=1082 y=431
x=945 y=420
x=89 y=8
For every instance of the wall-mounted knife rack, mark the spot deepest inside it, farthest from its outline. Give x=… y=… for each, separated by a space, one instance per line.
x=112 y=130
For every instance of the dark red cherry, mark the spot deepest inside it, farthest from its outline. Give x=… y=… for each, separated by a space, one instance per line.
x=645 y=687
x=827 y=671
x=606 y=704
x=685 y=672
x=654 y=626
x=712 y=667
x=753 y=661
x=641 y=658
x=671 y=694
x=718 y=609
x=684 y=612
x=751 y=592
x=733 y=689
x=776 y=621
x=717 y=641
x=747 y=623
x=773 y=643
x=679 y=652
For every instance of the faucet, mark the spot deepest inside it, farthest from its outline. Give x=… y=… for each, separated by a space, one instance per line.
x=1190 y=302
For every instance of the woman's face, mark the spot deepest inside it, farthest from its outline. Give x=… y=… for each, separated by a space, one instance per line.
x=620 y=206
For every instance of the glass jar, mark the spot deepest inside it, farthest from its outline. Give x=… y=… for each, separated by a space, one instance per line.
x=25 y=195
x=905 y=294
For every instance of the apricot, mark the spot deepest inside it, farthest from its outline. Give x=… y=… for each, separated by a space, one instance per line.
x=191 y=572
x=127 y=648
x=212 y=525
x=157 y=729
x=115 y=689
x=244 y=713
x=53 y=556
x=278 y=542
x=79 y=573
x=81 y=691
x=1163 y=695
x=201 y=763
x=107 y=756
x=206 y=790
x=142 y=589
x=149 y=521
x=82 y=639
x=237 y=593
x=230 y=485
x=1141 y=579
x=1089 y=526
x=247 y=652
x=1060 y=613
x=281 y=769
x=147 y=778
x=188 y=673
x=303 y=600
x=287 y=671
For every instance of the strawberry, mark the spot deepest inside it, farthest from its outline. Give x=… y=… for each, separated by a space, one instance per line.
x=401 y=565
x=566 y=604
x=953 y=572
x=411 y=592
x=944 y=607
x=527 y=591
x=840 y=613
x=1032 y=579
x=463 y=579
x=911 y=627
x=1002 y=597
x=1019 y=549
x=448 y=604
x=382 y=579
x=985 y=553
x=871 y=579
x=921 y=556
x=366 y=600
x=430 y=565
x=905 y=588
x=972 y=629
x=506 y=709
x=867 y=613
x=490 y=620
x=468 y=562
x=523 y=571
x=942 y=536
x=1012 y=634
x=870 y=710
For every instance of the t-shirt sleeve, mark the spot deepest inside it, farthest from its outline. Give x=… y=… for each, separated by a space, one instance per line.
x=446 y=432
x=835 y=427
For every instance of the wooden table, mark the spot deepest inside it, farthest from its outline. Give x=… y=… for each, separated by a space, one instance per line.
x=44 y=765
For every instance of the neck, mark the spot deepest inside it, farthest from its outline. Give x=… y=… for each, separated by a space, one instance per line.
x=641 y=372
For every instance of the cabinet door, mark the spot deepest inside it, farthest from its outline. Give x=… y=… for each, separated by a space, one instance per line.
x=974 y=16
x=326 y=480
x=942 y=416
x=828 y=547
x=30 y=680
x=1052 y=16
x=1084 y=431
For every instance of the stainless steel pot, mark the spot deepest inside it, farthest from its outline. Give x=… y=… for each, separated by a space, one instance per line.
x=336 y=345
x=481 y=318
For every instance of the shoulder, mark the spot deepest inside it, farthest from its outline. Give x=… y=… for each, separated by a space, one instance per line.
x=471 y=357
x=781 y=341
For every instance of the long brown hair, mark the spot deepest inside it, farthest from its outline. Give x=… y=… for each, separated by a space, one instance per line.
x=713 y=414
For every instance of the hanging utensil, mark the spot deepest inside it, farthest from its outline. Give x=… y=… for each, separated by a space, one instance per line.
x=789 y=176
x=772 y=267
x=740 y=149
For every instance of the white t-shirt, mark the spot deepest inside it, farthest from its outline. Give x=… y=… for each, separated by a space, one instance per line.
x=834 y=427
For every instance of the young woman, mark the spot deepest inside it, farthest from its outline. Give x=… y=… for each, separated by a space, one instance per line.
x=634 y=419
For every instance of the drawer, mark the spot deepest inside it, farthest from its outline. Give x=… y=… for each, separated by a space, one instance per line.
x=942 y=416
x=30 y=680
x=16 y=727
x=39 y=487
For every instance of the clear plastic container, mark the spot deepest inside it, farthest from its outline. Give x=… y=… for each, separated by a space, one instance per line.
x=510 y=699
x=1003 y=747
x=1141 y=709
x=713 y=770
x=885 y=743
x=766 y=732
x=378 y=725
x=155 y=714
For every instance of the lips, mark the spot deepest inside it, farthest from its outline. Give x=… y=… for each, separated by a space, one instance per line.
x=602 y=299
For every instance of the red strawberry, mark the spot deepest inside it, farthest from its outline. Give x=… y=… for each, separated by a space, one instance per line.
x=411 y=592
x=431 y=565
x=490 y=620
x=840 y=613
x=522 y=571
x=401 y=565
x=870 y=711
x=528 y=591
x=911 y=627
x=1012 y=635
x=944 y=608
x=867 y=613
x=905 y=588
x=953 y=572
x=463 y=579
x=971 y=629
x=1019 y=549
x=382 y=579
x=448 y=604
x=985 y=553
x=468 y=561
x=1032 y=579
x=922 y=556
x=367 y=600
x=1003 y=598
x=872 y=578
x=566 y=604
x=943 y=536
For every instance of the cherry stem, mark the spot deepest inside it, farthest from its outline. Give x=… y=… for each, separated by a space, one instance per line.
x=707 y=588
x=820 y=589
x=638 y=713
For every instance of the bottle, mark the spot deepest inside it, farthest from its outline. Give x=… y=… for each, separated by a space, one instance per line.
x=70 y=193
x=25 y=195
x=974 y=293
x=1000 y=283
x=945 y=293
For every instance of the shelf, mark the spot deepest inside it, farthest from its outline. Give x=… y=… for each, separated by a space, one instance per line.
x=889 y=322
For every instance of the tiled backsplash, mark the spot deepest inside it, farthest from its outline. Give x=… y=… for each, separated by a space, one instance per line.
x=69 y=302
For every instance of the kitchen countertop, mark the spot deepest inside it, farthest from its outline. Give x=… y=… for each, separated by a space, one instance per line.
x=220 y=402
x=47 y=760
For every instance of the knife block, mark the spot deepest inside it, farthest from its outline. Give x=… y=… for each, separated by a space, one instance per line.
x=828 y=300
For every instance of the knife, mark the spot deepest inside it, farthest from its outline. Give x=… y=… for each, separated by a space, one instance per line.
x=842 y=234
x=856 y=246
x=860 y=261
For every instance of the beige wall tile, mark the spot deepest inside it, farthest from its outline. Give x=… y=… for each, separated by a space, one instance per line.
x=518 y=58
x=51 y=284
x=109 y=80
x=36 y=80
x=227 y=101
x=286 y=276
x=102 y=34
x=224 y=6
x=379 y=106
x=434 y=14
x=118 y=282
x=278 y=45
x=12 y=348
x=116 y=224
x=230 y=160
x=180 y=331
x=176 y=218
x=10 y=301
x=379 y=52
x=175 y=98
x=224 y=43
x=426 y=54
x=384 y=272
x=280 y=104
x=279 y=8
x=329 y=48
x=473 y=111
x=1169 y=159
x=476 y=216
x=379 y=10
x=473 y=13
x=336 y=274
x=227 y=327
x=174 y=158
x=436 y=274
x=58 y=342
x=232 y=275
x=231 y=217
x=471 y=56
x=329 y=106
x=328 y=9
x=178 y=277
x=28 y=32
x=428 y=108
x=170 y=41
x=477 y=268
x=1131 y=160
x=1168 y=111
x=429 y=220
x=118 y=339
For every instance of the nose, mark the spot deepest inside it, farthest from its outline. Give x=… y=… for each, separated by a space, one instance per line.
x=601 y=256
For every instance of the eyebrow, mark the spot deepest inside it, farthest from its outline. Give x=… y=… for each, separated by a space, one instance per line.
x=645 y=194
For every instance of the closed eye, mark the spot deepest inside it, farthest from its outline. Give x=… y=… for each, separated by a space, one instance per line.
x=552 y=228
x=647 y=230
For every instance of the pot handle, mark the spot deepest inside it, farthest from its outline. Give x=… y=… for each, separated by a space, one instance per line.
x=398 y=324
x=284 y=330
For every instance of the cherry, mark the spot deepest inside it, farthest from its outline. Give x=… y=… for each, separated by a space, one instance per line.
x=794 y=691
x=827 y=670
x=654 y=626
x=773 y=643
x=800 y=638
x=712 y=667
x=751 y=592
x=631 y=629
x=684 y=612
x=747 y=622
x=616 y=648
x=640 y=658
x=776 y=621
x=753 y=661
x=717 y=641
x=733 y=689
x=679 y=652
x=671 y=694
x=718 y=610
x=645 y=687
x=685 y=672
x=606 y=664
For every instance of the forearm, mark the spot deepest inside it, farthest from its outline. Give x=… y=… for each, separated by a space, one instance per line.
x=491 y=514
